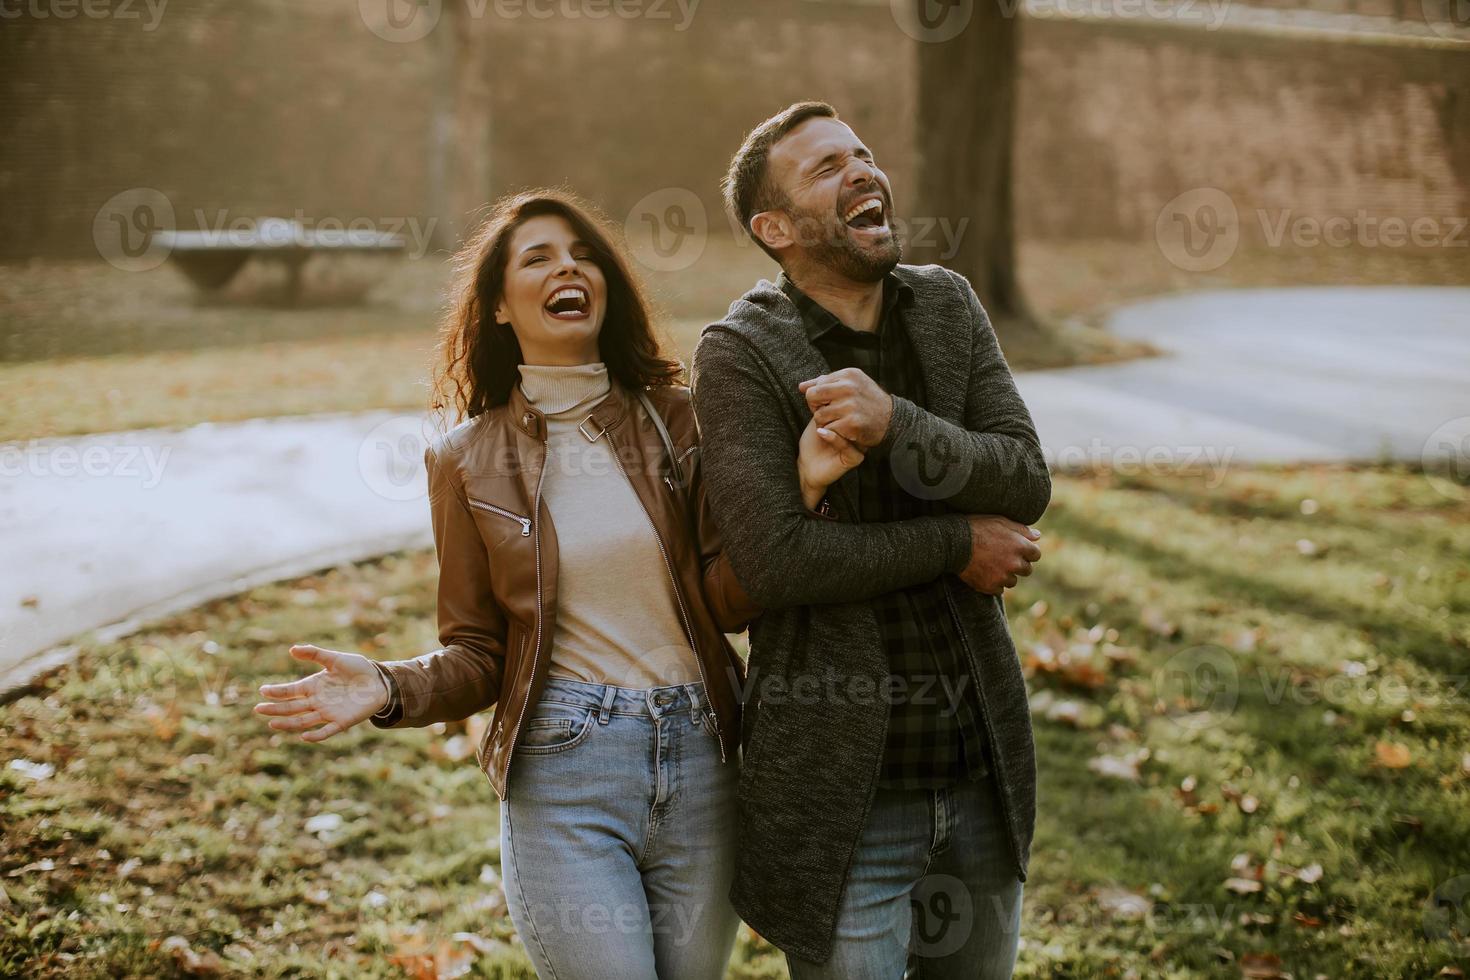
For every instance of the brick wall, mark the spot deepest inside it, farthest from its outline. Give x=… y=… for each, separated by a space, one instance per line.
x=1120 y=120
x=275 y=107
x=256 y=106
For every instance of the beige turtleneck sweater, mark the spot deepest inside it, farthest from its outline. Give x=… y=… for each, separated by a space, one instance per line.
x=617 y=619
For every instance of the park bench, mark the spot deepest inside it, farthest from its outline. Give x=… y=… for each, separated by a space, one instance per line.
x=210 y=259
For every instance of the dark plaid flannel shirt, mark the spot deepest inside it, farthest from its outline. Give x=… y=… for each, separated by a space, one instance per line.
x=930 y=742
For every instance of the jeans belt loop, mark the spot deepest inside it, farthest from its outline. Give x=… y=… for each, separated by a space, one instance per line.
x=604 y=713
x=693 y=703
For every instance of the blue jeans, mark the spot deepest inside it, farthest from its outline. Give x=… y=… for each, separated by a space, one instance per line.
x=618 y=835
x=932 y=890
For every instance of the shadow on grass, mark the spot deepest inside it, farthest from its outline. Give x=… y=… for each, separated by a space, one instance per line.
x=1431 y=650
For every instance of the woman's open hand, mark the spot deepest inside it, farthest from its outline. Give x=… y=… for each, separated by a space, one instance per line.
x=824 y=456
x=345 y=691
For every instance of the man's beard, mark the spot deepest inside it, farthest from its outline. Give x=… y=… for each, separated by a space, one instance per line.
x=835 y=249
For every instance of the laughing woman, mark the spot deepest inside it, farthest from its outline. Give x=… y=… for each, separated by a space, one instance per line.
x=584 y=595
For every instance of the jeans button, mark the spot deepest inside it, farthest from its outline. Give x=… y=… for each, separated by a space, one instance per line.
x=662 y=699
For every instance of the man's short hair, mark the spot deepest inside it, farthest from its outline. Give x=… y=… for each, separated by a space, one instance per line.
x=747 y=185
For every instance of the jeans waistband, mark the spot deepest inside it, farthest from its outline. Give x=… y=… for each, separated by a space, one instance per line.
x=610 y=699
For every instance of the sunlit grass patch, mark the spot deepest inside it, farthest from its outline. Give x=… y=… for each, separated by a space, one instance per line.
x=1252 y=755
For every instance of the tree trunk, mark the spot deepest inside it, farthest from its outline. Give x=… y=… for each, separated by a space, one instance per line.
x=459 y=161
x=965 y=136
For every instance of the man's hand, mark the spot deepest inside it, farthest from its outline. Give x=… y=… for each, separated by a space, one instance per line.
x=851 y=404
x=1001 y=551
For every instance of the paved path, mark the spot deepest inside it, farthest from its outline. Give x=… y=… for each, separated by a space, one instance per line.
x=115 y=529
x=1270 y=376
x=134 y=525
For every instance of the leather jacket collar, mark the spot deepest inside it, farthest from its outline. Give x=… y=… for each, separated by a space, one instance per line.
x=604 y=415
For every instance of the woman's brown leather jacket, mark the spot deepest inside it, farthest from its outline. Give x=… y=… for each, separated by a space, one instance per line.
x=497 y=553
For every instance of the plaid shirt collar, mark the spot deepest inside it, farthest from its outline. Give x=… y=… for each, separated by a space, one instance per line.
x=818 y=319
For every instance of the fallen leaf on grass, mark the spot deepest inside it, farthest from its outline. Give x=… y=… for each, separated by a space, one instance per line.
x=1261 y=966
x=164 y=721
x=1118 y=767
x=323 y=823
x=1186 y=791
x=1075 y=665
x=1118 y=733
x=455 y=748
x=1119 y=903
x=1243 y=641
x=1392 y=755
x=33 y=770
x=1407 y=825
x=1156 y=622
x=446 y=959
x=1074 y=714
x=1245 y=866
x=474 y=728
x=479 y=943
x=192 y=962
x=1311 y=874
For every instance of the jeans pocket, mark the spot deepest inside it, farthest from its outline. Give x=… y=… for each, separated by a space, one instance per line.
x=554 y=727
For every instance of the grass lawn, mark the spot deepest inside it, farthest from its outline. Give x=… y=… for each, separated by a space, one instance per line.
x=1250 y=706
x=85 y=347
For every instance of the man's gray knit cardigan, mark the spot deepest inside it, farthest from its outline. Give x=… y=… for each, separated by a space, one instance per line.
x=816 y=710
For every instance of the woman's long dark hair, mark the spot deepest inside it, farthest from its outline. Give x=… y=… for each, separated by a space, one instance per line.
x=478 y=358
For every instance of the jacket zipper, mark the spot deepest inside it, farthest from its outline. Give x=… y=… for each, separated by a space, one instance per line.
x=525 y=522
x=536 y=643
x=678 y=598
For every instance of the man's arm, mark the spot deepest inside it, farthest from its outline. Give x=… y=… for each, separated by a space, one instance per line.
x=994 y=464
x=784 y=555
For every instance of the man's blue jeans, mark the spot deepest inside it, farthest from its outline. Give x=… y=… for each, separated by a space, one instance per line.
x=932 y=889
x=618 y=835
